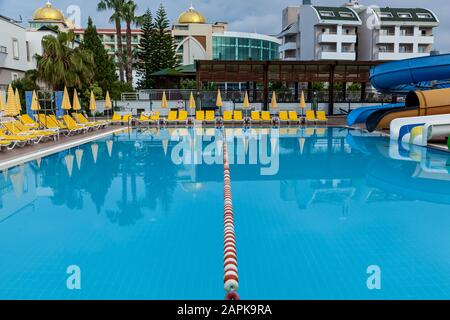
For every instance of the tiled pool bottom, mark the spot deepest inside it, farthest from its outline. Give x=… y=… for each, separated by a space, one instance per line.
x=312 y=213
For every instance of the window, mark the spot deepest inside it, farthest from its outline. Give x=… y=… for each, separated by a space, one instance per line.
x=386 y=15
x=14 y=76
x=424 y=16
x=28 y=51
x=3 y=49
x=328 y=14
x=181 y=27
x=404 y=15
x=423 y=48
x=346 y=14
x=16 y=49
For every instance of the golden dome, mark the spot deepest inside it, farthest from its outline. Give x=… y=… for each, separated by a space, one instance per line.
x=191 y=16
x=48 y=13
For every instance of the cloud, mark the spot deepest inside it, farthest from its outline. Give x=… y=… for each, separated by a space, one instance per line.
x=263 y=16
x=271 y=25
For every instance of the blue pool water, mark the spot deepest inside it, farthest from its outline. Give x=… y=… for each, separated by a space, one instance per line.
x=141 y=214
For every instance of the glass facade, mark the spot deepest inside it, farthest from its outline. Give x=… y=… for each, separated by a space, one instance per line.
x=236 y=48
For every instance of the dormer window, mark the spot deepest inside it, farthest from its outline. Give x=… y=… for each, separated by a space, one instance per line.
x=386 y=15
x=327 y=14
x=404 y=15
x=346 y=14
x=424 y=16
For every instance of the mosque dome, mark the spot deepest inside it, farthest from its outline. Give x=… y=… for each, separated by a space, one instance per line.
x=191 y=16
x=48 y=13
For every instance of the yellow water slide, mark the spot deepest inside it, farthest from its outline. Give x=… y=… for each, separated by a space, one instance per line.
x=417 y=103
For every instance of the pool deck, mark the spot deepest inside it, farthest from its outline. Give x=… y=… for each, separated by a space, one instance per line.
x=18 y=156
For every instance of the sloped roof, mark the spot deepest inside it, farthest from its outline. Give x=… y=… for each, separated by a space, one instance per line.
x=338 y=13
x=413 y=12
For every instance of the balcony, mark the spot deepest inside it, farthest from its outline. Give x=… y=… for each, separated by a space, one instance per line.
x=404 y=39
x=386 y=38
x=337 y=56
x=334 y=38
x=288 y=46
x=398 y=56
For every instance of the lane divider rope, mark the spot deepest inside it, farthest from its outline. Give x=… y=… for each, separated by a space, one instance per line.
x=231 y=280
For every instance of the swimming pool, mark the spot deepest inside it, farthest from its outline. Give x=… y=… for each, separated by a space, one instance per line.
x=140 y=214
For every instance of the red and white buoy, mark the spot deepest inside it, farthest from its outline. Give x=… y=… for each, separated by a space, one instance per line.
x=231 y=280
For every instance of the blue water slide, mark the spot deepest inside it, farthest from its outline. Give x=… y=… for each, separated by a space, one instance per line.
x=360 y=115
x=404 y=75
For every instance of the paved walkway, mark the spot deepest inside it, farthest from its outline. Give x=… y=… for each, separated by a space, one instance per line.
x=30 y=152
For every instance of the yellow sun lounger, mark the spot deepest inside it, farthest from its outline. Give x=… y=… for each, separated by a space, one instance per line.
x=6 y=144
x=57 y=122
x=255 y=117
x=238 y=117
x=183 y=117
x=266 y=117
x=227 y=116
x=28 y=121
x=88 y=125
x=116 y=118
x=52 y=122
x=152 y=118
x=321 y=117
x=172 y=117
x=21 y=140
x=72 y=125
x=80 y=118
x=26 y=130
x=294 y=118
x=210 y=116
x=200 y=116
x=310 y=116
x=283 y=116
x=14 y=129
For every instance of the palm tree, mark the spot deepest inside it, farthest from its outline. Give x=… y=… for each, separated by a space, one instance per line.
x=116 y=18
x=130 y=18
x=62 y=65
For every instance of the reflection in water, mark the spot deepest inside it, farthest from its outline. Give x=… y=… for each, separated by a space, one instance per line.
x=133 y=173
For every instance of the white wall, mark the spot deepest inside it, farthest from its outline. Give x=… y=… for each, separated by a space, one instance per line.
x=8 y=33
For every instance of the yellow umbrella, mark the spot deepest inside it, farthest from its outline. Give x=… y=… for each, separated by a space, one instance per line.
x=192 y=101
x=66 y=101
x=108 y=103
x=219 y=102
x=11 y=106
x=2 y=104
x=273 y=103
x=246 y=101
x=164 y=102
x=302 y=102
x=92 y=104
x=76 y=101
x=35 y=106
x=18 y=103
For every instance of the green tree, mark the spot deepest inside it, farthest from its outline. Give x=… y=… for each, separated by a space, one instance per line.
x=62 y=65
x=130 y=18
x=163 y=42
x=146 y=52
x=116 y=18
x=105 y=68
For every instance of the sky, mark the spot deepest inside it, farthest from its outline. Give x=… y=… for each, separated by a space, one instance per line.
x=262 y=16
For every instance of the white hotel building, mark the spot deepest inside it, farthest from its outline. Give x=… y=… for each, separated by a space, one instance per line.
x=354 y=32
